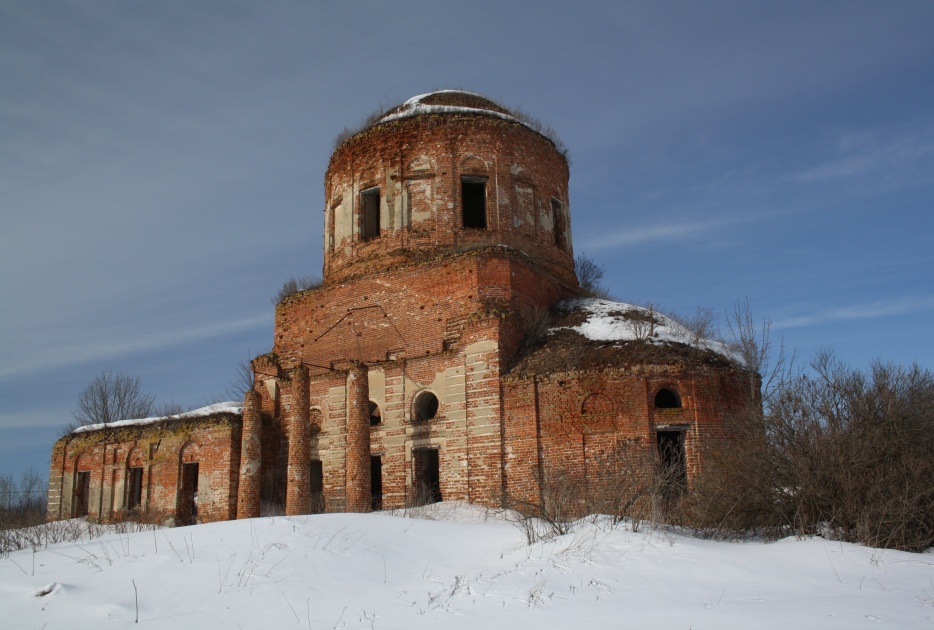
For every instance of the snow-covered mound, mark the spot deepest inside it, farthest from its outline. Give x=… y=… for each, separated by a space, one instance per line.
x=468 y=568
x=210 y=410
x=617 y=321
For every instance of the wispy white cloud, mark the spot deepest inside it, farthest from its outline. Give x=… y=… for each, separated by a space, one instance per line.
x=871 y=310
x=88 y=350
x=906 y=155
x=666 y=232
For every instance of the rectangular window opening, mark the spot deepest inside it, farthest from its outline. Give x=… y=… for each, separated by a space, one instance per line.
x=376 y=482
x=134 y=487
x=369 y=201
x=558 y=224
x=473 y=202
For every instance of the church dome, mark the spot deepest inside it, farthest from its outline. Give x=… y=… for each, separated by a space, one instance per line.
x=445 y=172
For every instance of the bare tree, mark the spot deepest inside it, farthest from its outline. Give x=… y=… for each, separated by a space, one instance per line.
x=773 y=363
x=242 y=381
x=110 y=397
x=589 y=273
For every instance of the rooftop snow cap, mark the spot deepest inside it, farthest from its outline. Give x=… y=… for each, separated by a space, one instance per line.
x=446 y=102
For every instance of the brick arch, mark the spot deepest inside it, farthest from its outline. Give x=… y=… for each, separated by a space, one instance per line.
x=134 y=458
x=82 y=462
x=597 y=404
x=522 y=175
x=189 y=453
x=472 y=164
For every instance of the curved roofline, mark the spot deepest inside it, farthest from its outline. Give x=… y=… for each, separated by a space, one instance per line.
x=415 y=106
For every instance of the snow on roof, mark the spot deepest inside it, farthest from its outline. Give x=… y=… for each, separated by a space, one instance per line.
x=415 y=107
x=617 y=321
x=203 y=412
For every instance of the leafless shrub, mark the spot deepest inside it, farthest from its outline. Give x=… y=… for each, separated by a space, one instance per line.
x=627 y=483
x=294 y=285
x=168 y=408
x=589 y=273
x=546 y=130
x=345 y=134
x=271 y=508
x=42 y=535
x=701 y=324
x=838 y=452
x=642 y=323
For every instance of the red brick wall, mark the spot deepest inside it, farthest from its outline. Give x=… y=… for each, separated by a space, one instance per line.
x=213 y=442
x=417 y=163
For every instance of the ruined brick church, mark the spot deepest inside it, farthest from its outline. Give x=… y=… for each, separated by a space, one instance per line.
x=449 y=352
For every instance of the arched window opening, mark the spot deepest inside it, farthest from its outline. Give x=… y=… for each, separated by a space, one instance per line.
x=425 y=406
x=376 y=416
x=667 y=399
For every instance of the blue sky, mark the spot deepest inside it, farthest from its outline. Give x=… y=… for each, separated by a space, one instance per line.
x=161 y=168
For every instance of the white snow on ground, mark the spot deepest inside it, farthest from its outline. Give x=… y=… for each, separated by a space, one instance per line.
x=210 y=410
x=466 y=569
x=607 y=322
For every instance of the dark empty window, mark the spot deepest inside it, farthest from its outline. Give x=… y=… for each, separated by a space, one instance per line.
x=369 y=201
x=558 y=224
x=667 y=399
x=375 y=415
x=134 y=487
x=473 y=202
x=425 y=406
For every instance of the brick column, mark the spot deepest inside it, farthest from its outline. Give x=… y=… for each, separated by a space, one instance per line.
x=298 y=488
x=357 y=488
x=250 y=458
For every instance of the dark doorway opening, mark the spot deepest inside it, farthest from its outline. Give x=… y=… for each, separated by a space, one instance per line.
x=134 y=487
x=376 y=482
x=673 y=470
x=317 y=487
x=82 y=492
x=427 y=476
x=473 y=202
x=188 y=495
